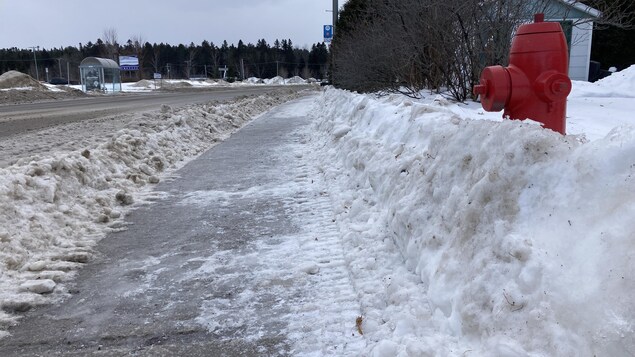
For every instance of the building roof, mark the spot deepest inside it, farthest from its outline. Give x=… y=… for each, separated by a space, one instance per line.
x=99 y=62
x=586 y=9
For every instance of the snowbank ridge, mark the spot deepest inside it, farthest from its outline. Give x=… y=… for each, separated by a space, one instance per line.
x=520 y=236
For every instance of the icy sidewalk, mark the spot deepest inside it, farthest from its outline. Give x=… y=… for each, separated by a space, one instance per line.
x=239 y=255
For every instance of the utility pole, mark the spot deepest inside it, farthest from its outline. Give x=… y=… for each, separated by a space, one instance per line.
x=188 y=63
x=37 y=75
x=336 y=8
x=242 y=68
x=277 y=70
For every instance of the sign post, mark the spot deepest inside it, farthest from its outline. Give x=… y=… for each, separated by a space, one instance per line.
x=156 y=76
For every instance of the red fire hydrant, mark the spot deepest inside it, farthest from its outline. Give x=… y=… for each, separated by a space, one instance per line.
x=535 y=85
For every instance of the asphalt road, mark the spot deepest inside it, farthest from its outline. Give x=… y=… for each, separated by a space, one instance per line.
x=20 y=118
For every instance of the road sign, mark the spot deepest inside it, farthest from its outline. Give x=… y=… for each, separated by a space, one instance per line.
x=157 y=76
x=328 y=33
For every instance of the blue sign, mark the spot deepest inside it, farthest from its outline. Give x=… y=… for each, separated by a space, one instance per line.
x=328 y=33
x=129 y=68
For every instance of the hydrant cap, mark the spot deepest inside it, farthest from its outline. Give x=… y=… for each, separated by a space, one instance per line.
x=495 y=88
x=538 y=27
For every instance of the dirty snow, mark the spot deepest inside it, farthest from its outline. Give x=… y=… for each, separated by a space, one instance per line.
x=59 y=202
x=485 y=237
x=463 y=234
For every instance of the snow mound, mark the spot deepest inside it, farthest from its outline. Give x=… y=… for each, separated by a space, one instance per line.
x=176 y=84
x=296 y=80
x=15 y=79
x=520 y=237
x=253 y=80
x=274 y=80
x=622 y=81
x=619 y=85
x=144 y=83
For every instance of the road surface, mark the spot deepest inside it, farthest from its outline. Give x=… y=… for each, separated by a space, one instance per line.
x=20 y=118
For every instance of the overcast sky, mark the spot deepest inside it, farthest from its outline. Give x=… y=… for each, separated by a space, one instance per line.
x=61 y=23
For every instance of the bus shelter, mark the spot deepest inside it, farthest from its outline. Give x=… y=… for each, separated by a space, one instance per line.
x=100 y=74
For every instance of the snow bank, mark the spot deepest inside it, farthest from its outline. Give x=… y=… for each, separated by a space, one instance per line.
x=619 y=84
x=295 y=80
x=55 y=207
x=144 y=83
x=622 y=82
x=274 y=80
x=253 y=80
x=520 y=238
x=18 y=80
x=174 y=84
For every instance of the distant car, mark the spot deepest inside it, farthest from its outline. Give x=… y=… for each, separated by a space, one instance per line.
x=58 y=81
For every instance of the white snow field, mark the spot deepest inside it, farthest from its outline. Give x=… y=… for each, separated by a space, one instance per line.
x=463 y=234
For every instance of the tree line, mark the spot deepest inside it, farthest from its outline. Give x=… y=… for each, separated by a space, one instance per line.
x=261 y=60
x=406 y=46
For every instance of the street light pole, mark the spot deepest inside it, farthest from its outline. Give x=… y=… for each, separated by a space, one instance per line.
x=37 y=75
x=335 y=10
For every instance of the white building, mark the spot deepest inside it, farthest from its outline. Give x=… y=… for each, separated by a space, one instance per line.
x=577 y=22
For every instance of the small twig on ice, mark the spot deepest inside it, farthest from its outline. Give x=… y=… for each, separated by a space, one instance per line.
x=358 y=323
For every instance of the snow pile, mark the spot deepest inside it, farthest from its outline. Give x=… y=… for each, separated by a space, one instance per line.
x=253 y=80
x=274 y=81
x=622 y=82
x=295 y=80
x=619 y=84
x=56 y=206
x=520 y=239
x=18 y=80
x=174 y=84
x=144 y=83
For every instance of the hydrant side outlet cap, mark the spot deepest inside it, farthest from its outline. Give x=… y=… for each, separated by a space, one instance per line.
x=495 y=88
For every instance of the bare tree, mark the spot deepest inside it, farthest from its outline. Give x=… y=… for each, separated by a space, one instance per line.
x=111 y=44
x=138 y=42
x=156 y=59
x=408 y=45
